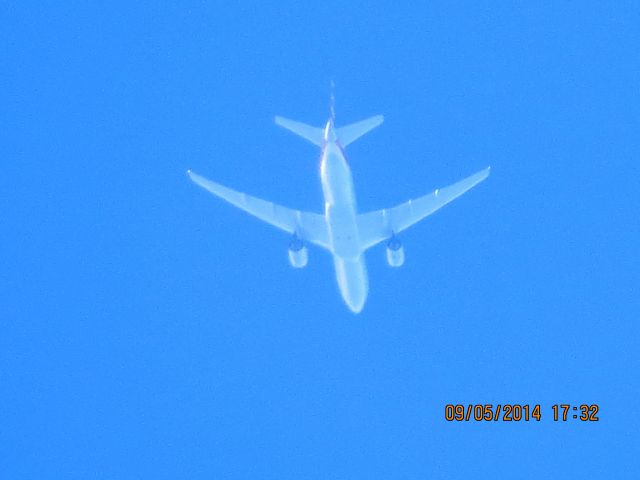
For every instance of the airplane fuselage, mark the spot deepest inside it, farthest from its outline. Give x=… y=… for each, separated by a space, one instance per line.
x=341 y=213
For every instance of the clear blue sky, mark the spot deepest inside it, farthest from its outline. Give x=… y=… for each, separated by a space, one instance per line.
x=147 y=330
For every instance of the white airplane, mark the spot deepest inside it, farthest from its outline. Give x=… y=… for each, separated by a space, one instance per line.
x=344 y=232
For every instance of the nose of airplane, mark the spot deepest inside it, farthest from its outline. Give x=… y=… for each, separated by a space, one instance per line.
x=352 y=281
x=355 y=304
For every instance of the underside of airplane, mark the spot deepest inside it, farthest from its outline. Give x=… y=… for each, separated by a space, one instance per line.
x=341 y=230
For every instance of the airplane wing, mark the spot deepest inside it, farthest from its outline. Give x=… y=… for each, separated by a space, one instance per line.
x=379 y=225
x=307 y=226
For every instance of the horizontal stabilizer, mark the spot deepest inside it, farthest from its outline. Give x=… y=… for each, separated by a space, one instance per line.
x=314 y=134
x=350 y=133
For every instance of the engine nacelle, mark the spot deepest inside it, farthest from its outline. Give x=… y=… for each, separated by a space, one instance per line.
x=395 y=252
x=298 y=253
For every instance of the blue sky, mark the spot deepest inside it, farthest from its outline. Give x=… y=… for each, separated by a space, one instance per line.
x=151 y=331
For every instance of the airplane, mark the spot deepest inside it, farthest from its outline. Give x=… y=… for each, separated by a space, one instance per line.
x=341 y=230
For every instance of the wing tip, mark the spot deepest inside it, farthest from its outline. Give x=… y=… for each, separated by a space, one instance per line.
x=484 y=173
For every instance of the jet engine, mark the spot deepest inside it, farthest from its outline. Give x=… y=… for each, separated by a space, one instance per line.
x=298 y=254
x=395 y=252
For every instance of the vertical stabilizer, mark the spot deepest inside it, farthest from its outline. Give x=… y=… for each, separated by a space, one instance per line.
x=332 y=101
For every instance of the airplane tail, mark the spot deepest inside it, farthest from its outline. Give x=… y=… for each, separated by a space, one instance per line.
x=346 y=135
x=351 y=133
x=313 y=134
